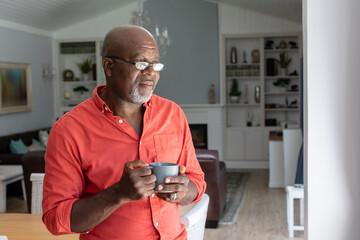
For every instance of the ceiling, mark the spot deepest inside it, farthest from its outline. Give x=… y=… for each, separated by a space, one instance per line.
x=287 y=9
x=52 y=15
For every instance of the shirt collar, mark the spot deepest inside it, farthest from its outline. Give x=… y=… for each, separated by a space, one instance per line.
x=101 y=105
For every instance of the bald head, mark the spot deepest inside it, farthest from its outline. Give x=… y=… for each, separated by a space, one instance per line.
x=122 y=37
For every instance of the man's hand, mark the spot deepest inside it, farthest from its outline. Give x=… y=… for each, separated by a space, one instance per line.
x=137 y=182
x=183 y=191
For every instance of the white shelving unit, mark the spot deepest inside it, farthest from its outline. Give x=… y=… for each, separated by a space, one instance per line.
x=246 y=145
x=67 y=54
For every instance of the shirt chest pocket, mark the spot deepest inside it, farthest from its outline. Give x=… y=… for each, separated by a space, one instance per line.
x=167 y=147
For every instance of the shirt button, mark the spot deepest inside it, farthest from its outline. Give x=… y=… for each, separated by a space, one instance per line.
x=152 y=195
x=140 y=142
x=156 y=224
x=149 y=104
x=106 y=108
x=102 y=111
x=120 y=121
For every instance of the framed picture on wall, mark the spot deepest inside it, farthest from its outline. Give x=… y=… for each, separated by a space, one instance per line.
x=15 y=88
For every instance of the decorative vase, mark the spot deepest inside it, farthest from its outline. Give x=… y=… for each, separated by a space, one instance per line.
x=234 y=99
x=246 y=97
x=85 y=77
x=249 y=118
x=283 y=71
x=67 y=95
x=283 y=89
x=257 y=94
x=233 y=55
x=212 y=94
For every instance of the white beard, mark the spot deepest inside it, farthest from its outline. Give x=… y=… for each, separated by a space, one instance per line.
x=137 y=98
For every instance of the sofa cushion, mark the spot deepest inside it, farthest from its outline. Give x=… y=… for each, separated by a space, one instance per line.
x=43 y=137
x=18 y=147
x=36 y=146
x=25 y=137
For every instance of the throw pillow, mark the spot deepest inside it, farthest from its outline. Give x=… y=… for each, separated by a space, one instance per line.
x=36 y=146
x=18 y=147
x=43 y=137
x=38 y=142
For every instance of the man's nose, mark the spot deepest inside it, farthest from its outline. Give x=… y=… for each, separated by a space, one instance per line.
x=149 y=70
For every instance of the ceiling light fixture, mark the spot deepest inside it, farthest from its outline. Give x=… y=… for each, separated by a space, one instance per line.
x=140 y=18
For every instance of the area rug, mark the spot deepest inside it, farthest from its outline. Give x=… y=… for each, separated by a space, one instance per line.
x=236 y=186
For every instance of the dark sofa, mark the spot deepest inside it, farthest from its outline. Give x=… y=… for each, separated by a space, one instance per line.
x=8 y=158
x=32 y=162
x=215 y=177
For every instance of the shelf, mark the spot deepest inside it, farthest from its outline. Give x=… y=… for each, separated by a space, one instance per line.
x=78 y=54
x=243 y=105
x=276 y=77
x=282 y=93
x=281 y=50
x=74 y=101
x=282 y=109
x=78 y=82
x=242 y=127
x=216 y=105
x=274 y=127
x=243 y=64
x=244 y=78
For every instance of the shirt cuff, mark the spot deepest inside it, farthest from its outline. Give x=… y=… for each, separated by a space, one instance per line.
x=200 y=185
x=57 y=219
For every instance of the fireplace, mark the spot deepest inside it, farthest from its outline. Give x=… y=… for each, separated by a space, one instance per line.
x=199 y=135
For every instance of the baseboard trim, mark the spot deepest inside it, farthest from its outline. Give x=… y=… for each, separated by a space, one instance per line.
x=247 y=164
x=276 y=185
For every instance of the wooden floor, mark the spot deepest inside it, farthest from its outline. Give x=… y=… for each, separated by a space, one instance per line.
x=262 y=215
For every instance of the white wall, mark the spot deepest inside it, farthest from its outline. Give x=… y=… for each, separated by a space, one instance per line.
x=23 y=47
x=236 y=20
x=97 y=27
x=332 y=163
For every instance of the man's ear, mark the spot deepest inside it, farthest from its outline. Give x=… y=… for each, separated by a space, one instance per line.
x=107 y=65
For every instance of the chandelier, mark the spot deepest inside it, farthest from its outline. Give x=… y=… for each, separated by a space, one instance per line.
x=140 y=18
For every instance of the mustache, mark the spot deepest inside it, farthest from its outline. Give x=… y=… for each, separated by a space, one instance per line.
x=145 y=80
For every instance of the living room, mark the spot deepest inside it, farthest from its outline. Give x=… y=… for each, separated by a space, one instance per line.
x=187 y=81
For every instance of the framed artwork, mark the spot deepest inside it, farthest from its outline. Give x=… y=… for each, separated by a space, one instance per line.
x=15 y=88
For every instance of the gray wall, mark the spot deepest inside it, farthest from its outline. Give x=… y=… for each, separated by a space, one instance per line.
x=192 y=60
x=20 y=47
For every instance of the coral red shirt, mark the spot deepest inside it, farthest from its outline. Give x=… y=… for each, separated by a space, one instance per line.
x=86 y=153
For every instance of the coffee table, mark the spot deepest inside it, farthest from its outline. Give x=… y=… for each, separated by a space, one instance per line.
x=9 y=174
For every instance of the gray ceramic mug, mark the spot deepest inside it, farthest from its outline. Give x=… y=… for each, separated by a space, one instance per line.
x=163 y=170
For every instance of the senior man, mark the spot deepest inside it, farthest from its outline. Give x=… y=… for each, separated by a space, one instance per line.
x=97 y=176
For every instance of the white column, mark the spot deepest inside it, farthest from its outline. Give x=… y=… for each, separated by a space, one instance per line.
x=332 y=129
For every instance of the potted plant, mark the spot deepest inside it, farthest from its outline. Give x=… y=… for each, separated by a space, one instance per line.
x=234 y=92
x=282 y=83
x=85 y=68
x=284 y=61
x=81 y=89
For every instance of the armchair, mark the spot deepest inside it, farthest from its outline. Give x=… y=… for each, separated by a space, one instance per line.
x=215 y=177
x=194 y=219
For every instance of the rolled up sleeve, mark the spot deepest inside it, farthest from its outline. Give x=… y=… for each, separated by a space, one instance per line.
x=189 y=160
x=63 y=183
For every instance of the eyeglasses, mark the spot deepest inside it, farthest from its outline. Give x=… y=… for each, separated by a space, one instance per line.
x=141 y=65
